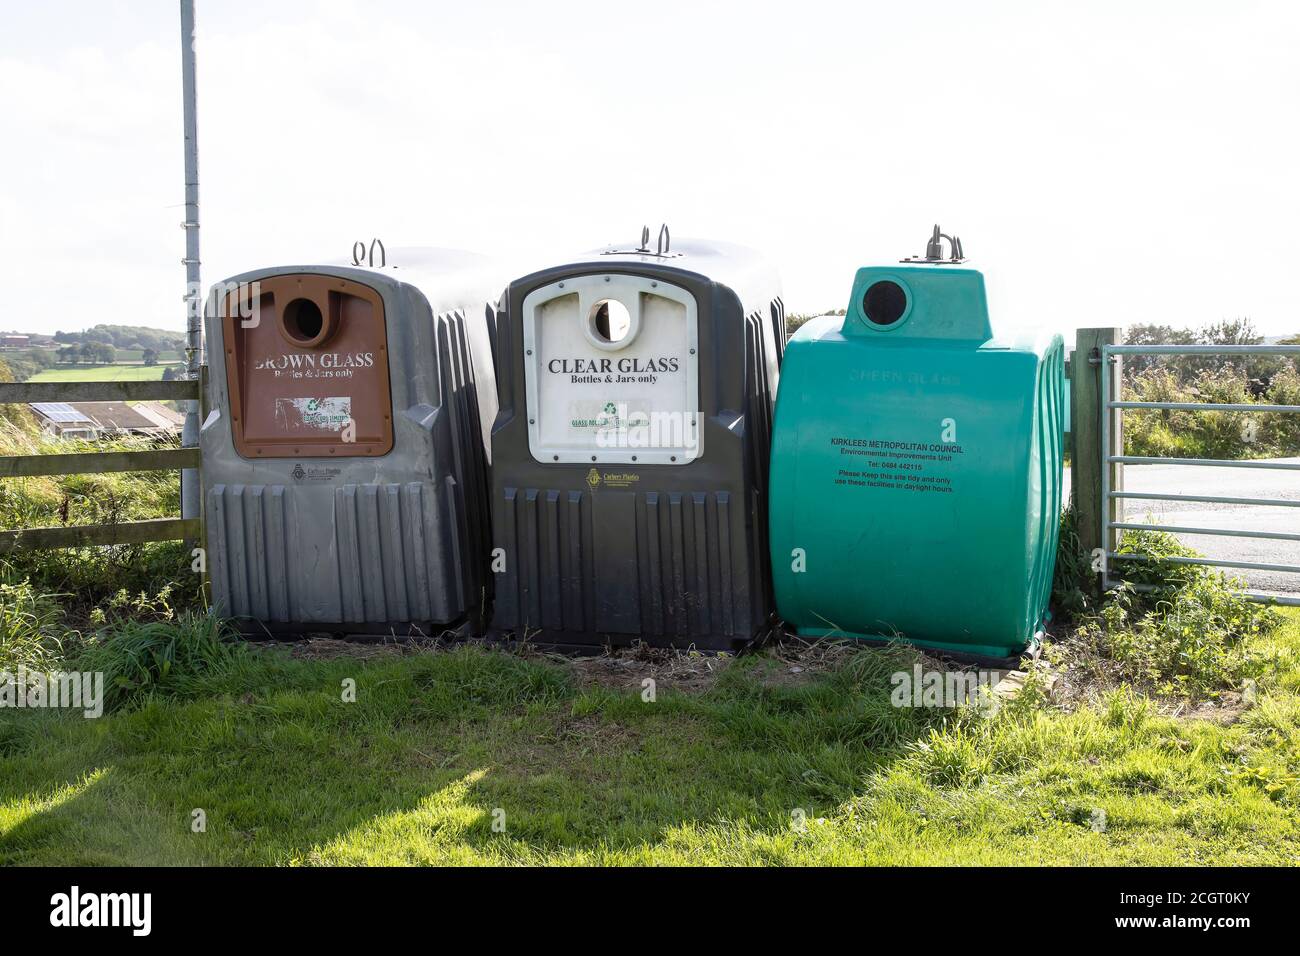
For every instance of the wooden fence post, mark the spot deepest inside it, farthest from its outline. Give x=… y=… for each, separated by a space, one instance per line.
x=1086 y=408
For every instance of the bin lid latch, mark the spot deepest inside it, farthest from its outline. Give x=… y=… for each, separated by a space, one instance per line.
x=934 y=250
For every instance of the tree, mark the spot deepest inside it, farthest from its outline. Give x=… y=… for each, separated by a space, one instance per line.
x=1151 y=334
x=150 y=357
x=25 y=364
x=70 y=354
x=1231 y=332
x=1258 y=370
x=124 y=337
x=101 y=352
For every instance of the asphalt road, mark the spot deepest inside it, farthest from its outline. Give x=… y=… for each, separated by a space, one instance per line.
x=1225 y=482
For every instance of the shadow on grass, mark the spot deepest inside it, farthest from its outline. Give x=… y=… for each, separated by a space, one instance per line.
x=455 y=757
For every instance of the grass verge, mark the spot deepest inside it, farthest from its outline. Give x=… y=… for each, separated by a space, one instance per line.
x=477 y=756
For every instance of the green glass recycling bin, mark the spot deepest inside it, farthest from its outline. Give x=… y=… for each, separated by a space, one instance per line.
x=916 y=469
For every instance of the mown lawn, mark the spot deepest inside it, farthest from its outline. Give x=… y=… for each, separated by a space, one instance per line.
x=758 y=766
x=123 y=372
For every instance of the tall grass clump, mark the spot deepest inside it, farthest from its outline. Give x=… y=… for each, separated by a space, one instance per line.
x=30 y=635
x=1177 y=630
x=176 y=657
x=1074 y=584
x=1284 y=389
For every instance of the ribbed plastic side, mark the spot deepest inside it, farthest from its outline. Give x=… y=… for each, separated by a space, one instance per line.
x=1050 y=439
x=387 y=539
x=760 y=392
x=247 y=551
x=778 y=328
x=469 y=464
x=675 y=567
x=390 y=554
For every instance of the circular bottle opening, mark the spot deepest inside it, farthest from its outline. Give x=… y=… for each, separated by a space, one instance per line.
x=302 y=321
x=884 y=302
x=610 y=321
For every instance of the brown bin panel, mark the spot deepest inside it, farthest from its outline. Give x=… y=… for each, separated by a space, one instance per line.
x=315 y=361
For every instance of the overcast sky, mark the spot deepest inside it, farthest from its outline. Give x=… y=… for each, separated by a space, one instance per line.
x=1103 y=163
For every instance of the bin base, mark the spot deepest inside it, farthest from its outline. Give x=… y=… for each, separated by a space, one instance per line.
x=565 y=642
x=983 y=656
x=253 y=630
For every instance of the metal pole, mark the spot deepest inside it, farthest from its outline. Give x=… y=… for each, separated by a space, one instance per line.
x=193 y=284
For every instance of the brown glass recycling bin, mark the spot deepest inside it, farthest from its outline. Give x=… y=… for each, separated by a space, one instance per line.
x=344 y=456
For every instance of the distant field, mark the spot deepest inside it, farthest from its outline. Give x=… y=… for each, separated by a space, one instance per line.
x=101 y=373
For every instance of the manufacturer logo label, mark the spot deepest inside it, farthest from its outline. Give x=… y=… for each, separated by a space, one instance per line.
x=611 y=479
x=314 y=473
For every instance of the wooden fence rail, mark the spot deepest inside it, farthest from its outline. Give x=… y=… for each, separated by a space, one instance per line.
x=98 y=462
x=78 y=536
x=153 y=459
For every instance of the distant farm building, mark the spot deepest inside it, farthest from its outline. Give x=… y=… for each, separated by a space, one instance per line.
x=9 y=340
x=95 y=420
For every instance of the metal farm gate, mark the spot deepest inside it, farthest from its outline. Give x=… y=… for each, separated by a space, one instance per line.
x=1111 y=444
